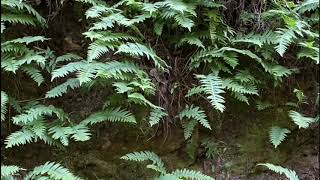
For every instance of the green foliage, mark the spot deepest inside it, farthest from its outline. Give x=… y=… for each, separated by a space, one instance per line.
x=110 y=114
x=290 y=174
x=158 y=166
x=51 y=170
x=155 y=116
x=300 y=120
x=8 y=172
x=197 y=116
x=213 y=87
x=277 y=135
x=4 y=101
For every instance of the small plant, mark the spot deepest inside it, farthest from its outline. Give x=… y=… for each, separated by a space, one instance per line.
x=158 y=166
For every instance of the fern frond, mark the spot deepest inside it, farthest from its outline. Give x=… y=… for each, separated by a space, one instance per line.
x=195 y=90
x=37 y=112
x=300 y=120
x=155 y=116
x=213 y=87
x=268 y=37
x=67 y=69
x=18 y=19
x=190 y=174
x=136 y=49
x=146 y=155
x=263 y=105
x=110 y=114
x=284 y=39
x=281 y=170
x=68 y=57
x=61 y=133
x=27 y=40
x=194 y=112
x=188 y=128
x=184 y=21
x=7 y=172
x=80 y=132
x=138 y=98
x=34 y=73
x=18 y=138
x=307 y=5
x=277 y=135
x=4 y=101
x=98 y=48
x=57 y=91
x=53 y=171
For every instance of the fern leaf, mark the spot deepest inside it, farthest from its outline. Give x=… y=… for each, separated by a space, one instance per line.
x=27 y=40
x=110 y=114
x=300 y=120
x=195 y=90
x=136 y=49
x=34 y=74
x=57 y=91
x=138 y=98
x=7 y=172
x=34 y=113
x=307 y=5
x=277 y=135
x=18 y=138
x=146 y=155
x=284 y=39
x=188 y=128
x=4 y=101
x=213 y=86
x=155 y=116
x=53 y=171
x=68 y=57
x=281 y=170
x=196 y=113
x=80 y=133
x=191 y=174
x=184 y=21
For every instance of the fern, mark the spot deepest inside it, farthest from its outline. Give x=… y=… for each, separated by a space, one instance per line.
x=57 y=91
x=190 y=174
x=7 y=172
x=277 y=135
x=51 y=170
x=135 y=49
x=300 y=120
x=34 y=73
x=37 y=112
x=23 y=136
x=157 y=163
x=4 y=101
x=196 y=115
x=213 y=86
x=290 y=174
x=308 y=5
x=110 y=114
x=155 y=116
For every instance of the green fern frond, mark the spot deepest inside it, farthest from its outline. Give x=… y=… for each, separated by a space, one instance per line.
x=68 y=57
x=277 y=135
x=37 y=112
x=18 y=138
x=98 y=48
x=97 y=10
x=136 y=49
x=80 y=132
x=284 y=39
x=155 y=116
x=307 y=5
x=34 y=73
x=61 y=133
x=53 y=171
x=67 y=69
x=18 y=19
x=190 y=174
x=27 y=40
x=194 y=112
x=195 y=90
x=268 y=37
x=263 y=105
x=192 y=40
x=184 y=21
x=188 y=128
x=146 y=155
x=3 y=27
x=57 y=91
x=213 y=87
x=4 y=101
x=300 y=120
x=7 y=172
x=239 y=88
x=110 y=114
x=290 y=174
x=138 y=98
